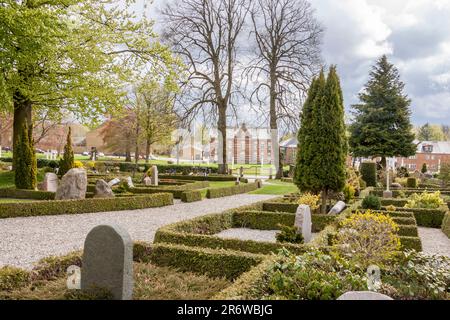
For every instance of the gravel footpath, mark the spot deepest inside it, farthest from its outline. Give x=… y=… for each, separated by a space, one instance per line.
x=24 y=241
x=434 y=241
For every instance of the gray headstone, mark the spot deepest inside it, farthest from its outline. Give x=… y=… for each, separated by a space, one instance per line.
x=108 y=261
x=113 y=182
x=303 y=222
x=387 y=194
x=50 y=182
x=337 y=208
x=363 y=295
x=103 y=190
x=154 y=176
x=129 y=182
x=396 y=186
x=73 y=185
x=147 y=181
x=259 y=183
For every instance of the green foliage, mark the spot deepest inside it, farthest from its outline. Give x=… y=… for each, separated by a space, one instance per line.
x=280 y=207
x=446 y=224
x=67 y=162
x=369 y=173
x=353 y=179
x=431 y=132
x=191 y=196
x=25 y=166
x=349 y=192
x=382 y=124
x=431 y=218
x=12 y=278
x=444 y=173
x=229 y=191
x=311 y=276
x=424 y=168
x=289 y=234
x=425 y=200
x=56 y=207
x=26 y=194
x=320 y=164
x=371 y=202
x=214 y=263
x=402 y=172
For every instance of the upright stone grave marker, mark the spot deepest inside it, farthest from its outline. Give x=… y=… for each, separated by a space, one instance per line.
x=113 y=182
x=154 y=176
x=73 y=185
x=147 y=181
x=129 y=182
x=50 y=182
x=303 y=222
x=337 y=208
x=108 y=261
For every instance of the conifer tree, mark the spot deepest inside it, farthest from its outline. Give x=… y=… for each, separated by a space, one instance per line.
x=25 y=166
x=67 y=162
x=382 y=125
x=322 y=140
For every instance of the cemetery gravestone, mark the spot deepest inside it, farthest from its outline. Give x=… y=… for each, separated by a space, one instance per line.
x=303 y=222
x=73 y=185
x=129 y=182
x=103 y=190
x=154 y=177
x=113 y=182
x=50 y=182
x=147 y=181
x=337 y=208
x=108 y=261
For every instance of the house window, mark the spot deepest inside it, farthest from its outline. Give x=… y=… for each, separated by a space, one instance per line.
x=427 y=148
x=412 y=166
x=412 y=157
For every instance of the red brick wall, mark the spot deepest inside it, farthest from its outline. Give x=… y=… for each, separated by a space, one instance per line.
x=431 y=159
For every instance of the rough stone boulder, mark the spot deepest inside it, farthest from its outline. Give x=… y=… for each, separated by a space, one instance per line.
x=103 y=190
x=73 y=185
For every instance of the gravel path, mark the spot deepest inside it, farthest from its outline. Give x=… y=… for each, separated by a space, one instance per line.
x=434 y=241
x=23 y=241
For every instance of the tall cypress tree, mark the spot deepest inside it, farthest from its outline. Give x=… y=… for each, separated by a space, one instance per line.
x=322 y=140
x=67 y=162
x=25 y=166
x=382 y=126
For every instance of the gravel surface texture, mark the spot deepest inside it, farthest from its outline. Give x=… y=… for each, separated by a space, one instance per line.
x=434 y=241
x=24 y=241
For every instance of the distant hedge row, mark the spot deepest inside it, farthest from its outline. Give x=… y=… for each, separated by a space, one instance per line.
x=229 y=191
x=57 y=207
x=26 y=194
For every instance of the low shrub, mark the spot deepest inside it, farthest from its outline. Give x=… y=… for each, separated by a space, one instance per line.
x=367 y=238
x=191 y=196
x=446 y=224
x=214 y=263
x=349 y=193
x=431 y=218
x=13 y=278
x=26 y=194
x=425 y=200
x=371 y=202
x=229 y=191
x=310 y=200
x=53 y=267
x=410 y=243
x=56 y=207
x=411 y=182
x=280 y=207
x=289 y=234
x=390 y=208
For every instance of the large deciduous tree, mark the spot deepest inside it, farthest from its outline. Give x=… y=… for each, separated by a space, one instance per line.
x=288 y=41
x=322 y=139
x=382 y=126
x=430 y=132
x=74 y=55
x=205 y=33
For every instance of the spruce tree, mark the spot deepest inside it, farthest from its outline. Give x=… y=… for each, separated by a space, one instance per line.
x=67 y=161
x=382 y=125
x=25 y=166
x=322 y=139
x=424 y=168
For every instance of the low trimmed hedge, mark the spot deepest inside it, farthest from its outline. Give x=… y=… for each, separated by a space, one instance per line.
x=176 y=193
x=41 y=163
x=214 y=263
x=191 y=196
x=446 y=224
x=57 y=207
x=229 y=191
x=202 y=178
x=393 y=202
x=411 y=243
x=431 y=218
x=280 y=207
x=407 y=192
x=26 y=194
x=407 y=230
x=411 y=182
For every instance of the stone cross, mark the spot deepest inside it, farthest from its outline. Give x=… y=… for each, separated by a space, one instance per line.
x=108 y=261
x=154 y=176
x=303 y=222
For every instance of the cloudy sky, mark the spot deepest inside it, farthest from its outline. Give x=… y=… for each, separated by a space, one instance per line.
x=415 y=34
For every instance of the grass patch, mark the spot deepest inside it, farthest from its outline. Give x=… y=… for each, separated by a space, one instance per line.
x=7 y=178
x=151 y=283
x=276 y=187
x=8 y=200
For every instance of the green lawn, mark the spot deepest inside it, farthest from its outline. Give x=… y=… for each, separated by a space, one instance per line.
x=276 y=187
x=7 y=178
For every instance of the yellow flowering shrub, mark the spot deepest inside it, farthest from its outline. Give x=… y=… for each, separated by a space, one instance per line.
x=90 y=164
x=367 y=238
x=425 y=200
x=78 y=164
x=310 y=200
x=391 y=208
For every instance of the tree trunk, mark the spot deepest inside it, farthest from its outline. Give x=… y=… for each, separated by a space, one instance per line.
x=222 y=127
x=147 y=151
x=324 y=196
x=22 y=114
x=273 y=124
x=127 y=156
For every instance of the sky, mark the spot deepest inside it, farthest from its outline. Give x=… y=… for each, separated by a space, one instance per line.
x=414 y=34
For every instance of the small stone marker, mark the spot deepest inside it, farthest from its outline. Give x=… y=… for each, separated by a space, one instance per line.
x=74 y=278
x=387 y=194
x=303 y=222
x=147 y=181
x=73 y=185
x=259 y=183
x=337 y=208
x=113 y=182
x=50 y=182
x=363 y=295
x=154 y=177
x=241 y=172
x=108 y=261
x=103 y=190
x=129 y=182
